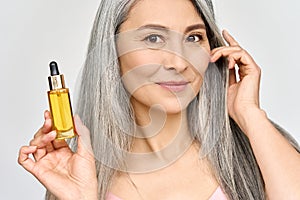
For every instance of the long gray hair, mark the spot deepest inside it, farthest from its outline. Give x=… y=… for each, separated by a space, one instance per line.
x=104 y=107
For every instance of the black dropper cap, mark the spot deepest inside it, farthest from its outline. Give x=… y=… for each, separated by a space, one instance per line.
x=56 y=80
x=53 y=68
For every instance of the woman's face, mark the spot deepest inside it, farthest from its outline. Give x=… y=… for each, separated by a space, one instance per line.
x=163 y=53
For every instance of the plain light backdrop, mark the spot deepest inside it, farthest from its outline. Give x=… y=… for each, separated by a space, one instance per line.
x=35 y=32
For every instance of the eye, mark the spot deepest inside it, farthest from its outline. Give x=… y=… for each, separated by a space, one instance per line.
x=194 y=38
x=154 y=38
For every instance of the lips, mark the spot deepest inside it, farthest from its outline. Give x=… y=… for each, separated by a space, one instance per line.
x=174 y=86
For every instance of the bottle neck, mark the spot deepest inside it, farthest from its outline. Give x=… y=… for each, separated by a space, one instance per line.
x=56 y=82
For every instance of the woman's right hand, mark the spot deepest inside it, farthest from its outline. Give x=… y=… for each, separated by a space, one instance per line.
x=66 y=174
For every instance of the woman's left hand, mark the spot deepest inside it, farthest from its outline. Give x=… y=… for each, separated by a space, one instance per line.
x=279 y=166
x=243 y=95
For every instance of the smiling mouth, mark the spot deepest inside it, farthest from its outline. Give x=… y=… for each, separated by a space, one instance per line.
x=173 y=85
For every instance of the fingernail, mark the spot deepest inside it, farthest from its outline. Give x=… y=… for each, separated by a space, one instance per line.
x=45 y=113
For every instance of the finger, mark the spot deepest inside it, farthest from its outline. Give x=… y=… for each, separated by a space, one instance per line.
x=243 y=60
x=59 y=143
x=233 y=48
x=84 y=140
x=24 y=159
x=47 y=126
x=39 y=154
x=47 y=115
x=48 y=122
x=242 y=73
x=240 y=57
x=232 y=77
x=43 y=140
x=49 y=148
x=224 y=52
x=231 y=63
x=229 y=39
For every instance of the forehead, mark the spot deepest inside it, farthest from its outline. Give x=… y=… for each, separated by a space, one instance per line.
x=175 y=14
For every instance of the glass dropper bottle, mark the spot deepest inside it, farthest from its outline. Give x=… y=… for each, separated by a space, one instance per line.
x=60 y=104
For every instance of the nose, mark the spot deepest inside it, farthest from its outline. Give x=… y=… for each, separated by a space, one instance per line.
x=176 y=62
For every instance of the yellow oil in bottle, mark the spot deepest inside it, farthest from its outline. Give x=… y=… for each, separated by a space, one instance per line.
x=61 y=112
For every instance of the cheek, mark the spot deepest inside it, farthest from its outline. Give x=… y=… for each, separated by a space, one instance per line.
x=137 y=59
x=198 y=84
x=138 y=69
x=197 y=81
x=198 y=59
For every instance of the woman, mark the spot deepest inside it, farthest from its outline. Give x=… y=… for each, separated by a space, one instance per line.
x=155 y=95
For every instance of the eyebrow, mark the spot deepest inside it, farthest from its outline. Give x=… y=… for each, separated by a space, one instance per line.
x=164 y=28
x=154 y=26
x=194 y=27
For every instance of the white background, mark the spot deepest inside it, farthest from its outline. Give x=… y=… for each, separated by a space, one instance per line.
x=34 y=32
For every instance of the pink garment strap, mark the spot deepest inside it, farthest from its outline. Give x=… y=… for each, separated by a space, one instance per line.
x=217 y=195
x=110 y=196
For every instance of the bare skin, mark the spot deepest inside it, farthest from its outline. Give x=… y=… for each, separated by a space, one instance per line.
x=176 y=181
x=280 y=172
x=188 y=177
x=56 y=166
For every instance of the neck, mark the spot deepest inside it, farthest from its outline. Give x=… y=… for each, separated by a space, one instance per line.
x=157 y=129
x=160 y=139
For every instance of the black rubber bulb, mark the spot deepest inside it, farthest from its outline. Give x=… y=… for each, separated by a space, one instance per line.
x=54 y=68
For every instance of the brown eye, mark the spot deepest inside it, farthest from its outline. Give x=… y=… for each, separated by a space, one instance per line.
x=194 y=38
x=154 y=39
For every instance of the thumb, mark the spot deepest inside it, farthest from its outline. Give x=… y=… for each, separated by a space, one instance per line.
x=84 y=147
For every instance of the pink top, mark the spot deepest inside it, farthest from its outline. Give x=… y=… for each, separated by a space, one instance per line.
x=217 y=195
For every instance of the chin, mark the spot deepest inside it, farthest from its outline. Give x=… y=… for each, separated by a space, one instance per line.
x=162 y=100
x=172 y=108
